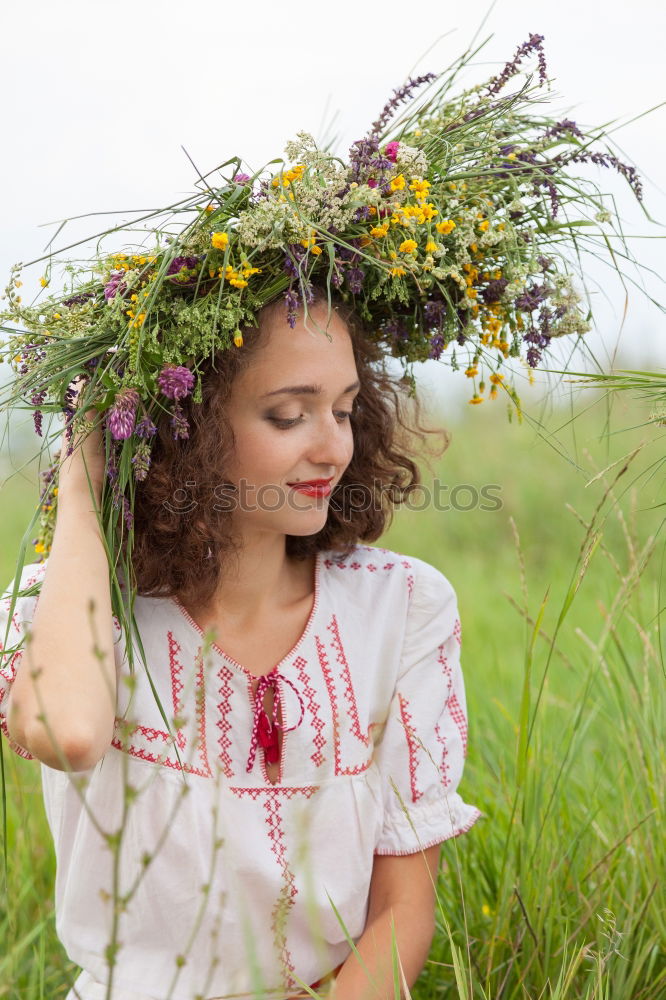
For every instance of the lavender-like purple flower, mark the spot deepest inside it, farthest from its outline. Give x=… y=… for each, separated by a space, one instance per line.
x=292 y=301
x=560 y=128
x=436 y=347
x=77 y=300
x=37 y=399
x=494 y=290
x=399 y=96
x=531 y=298
x=175 y=381
x=241 y=178
x=141 y=461
x=609 y=160
x=122 y=415
x=355 y=277
x=533 y=44
x=434 y=312
x=181 y=428
x=115 y=285
x=145 y=428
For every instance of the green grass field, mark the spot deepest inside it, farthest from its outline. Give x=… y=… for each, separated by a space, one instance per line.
x=558 y=891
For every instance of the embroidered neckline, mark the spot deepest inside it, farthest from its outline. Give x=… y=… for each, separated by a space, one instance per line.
x=304 y=634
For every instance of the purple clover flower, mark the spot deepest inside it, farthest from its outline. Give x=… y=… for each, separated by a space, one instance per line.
x=175 y=381
x=178 y=271
x=122 y=415
x=391 y=151
x=115 y=285
x=241 y=178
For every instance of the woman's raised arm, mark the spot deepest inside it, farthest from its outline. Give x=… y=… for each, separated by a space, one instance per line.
x=62 y=703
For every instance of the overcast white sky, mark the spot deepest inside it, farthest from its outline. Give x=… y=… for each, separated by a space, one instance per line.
x=98 y=99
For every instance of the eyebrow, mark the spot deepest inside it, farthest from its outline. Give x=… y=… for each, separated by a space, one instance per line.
x=307 y=390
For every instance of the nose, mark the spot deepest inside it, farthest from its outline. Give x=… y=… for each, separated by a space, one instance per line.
x=332 y=444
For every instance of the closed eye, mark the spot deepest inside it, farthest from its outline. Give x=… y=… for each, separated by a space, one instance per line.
x=285 y=423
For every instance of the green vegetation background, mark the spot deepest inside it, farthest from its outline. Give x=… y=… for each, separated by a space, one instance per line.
x=556 y=892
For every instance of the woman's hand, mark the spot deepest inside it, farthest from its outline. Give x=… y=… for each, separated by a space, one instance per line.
x=86 y=460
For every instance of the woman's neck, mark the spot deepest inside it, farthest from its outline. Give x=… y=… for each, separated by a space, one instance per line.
x=260 y=579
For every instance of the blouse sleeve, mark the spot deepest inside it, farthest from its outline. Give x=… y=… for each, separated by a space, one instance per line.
x=424 y=743
x=13 y=625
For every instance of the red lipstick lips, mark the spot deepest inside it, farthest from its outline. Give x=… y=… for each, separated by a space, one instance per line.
x=313 y=487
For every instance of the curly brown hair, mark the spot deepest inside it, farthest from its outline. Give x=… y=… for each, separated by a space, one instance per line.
x=172 y=553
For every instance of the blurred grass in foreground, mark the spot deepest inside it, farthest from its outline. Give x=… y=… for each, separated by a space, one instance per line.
x=557 y=892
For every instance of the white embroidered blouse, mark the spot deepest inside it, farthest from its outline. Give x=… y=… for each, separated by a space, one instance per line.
x=225 y=881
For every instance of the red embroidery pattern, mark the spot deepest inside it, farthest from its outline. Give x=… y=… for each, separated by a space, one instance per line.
x=457 y=631
x=446 y=669
x=412 y=746
x=150 y=735
x=457 y=714
x=333 y=698
x=314 y=708
x=410 y=578
x=288 y=892
x=223 y=724
x=345 y=674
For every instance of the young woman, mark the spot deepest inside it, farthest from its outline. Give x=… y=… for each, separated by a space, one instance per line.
x=275 y=782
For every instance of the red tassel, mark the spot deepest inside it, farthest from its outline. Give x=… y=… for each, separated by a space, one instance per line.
x=268 y=738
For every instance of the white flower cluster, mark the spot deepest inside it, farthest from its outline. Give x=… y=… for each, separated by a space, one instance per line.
x=319 y=196
x=411 y=160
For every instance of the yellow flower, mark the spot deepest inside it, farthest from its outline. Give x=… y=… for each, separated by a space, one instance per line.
x=317 y=250
x=44 y=282
x=238 y=282
x=445 y=227
x=485 y=910
x=220 y=240
x=475 y=400
x=427 y=211
x=496 y=379
x=397 y=183
x=398 y=272
x=483 y=226
x=238 y=338
x=379 y=231
x=471 y=371
x=420 y=188
x=408 y=246
x=209 y=208
x=430 y=246
x=393 y=255
x=39 y=548
x=472 y=293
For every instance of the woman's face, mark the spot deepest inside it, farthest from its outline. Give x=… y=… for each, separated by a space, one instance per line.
x=289 y=411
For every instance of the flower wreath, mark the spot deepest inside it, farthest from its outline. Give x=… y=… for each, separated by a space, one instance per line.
x=455 y=228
